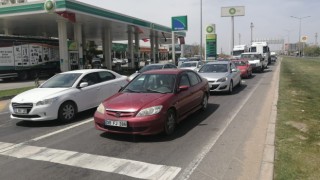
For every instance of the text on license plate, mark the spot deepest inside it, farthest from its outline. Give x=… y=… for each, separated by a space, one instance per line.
x=116 y=123
x=20 y=111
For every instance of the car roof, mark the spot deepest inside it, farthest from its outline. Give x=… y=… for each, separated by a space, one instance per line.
x=166 y=71
x=251 y=53
x=240 y=60
x=190 y=62
x=219 y=62
x=83 y=71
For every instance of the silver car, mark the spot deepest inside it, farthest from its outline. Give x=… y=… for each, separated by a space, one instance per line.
x=152 y=67
x=221 y=75
x=192 y=65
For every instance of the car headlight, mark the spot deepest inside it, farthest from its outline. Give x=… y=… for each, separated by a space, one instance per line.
x=46 y=101
x=222 y=79
x=149 y=111
x=101 y=108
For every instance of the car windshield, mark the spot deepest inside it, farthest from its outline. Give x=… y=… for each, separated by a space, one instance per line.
x=61 y=80
x=189 y=65
x=152 y=83
x=239 y=63
x=150 y=67
x=214 y=68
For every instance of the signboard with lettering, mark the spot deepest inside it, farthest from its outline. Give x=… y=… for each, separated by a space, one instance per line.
x=232 y=11
x=211 y=46
x=179 y=23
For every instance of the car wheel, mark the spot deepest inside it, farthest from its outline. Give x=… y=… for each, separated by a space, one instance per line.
x=204 y=103
x=230 y=87
x=23 y=76
x=67 y=112
x=170 y=123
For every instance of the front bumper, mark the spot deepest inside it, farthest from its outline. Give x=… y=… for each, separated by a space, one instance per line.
x=147 y=125
x=36 y=113
x=218 y=86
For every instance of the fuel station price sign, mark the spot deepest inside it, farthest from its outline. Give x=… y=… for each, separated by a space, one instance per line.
x=211 y=46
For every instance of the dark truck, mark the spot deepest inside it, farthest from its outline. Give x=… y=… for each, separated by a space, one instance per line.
x=28 y=58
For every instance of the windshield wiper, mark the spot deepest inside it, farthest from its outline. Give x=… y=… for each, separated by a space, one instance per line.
x=152 y=90
x=131 y=90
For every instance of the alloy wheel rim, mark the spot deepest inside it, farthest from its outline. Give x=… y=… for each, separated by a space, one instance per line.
x=170 y=123
x=68 y=112
x=205 y=102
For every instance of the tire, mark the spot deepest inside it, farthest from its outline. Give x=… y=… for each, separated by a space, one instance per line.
x=230 y=87
x=204 y=103
x=23 y=75
x=33 y=75
x=67 y=112
x=240 y=82
x=170 y=123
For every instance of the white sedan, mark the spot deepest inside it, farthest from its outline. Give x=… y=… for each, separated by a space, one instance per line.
x=65 y=94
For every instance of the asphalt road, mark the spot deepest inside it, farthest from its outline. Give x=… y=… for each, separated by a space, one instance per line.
x=224 y=142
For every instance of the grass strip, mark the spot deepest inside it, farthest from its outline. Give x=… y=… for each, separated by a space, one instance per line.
x=298 y=120
x=4 y=94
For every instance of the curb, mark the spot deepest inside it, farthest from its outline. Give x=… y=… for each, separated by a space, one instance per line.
x=267 y=165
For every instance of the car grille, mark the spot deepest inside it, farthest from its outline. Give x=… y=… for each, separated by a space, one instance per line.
x=120 y=113
x=213 y=87
x=27 y=106
x=211 y=81
x=25 y=116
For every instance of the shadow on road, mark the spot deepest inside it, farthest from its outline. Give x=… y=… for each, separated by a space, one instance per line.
x=183 y=128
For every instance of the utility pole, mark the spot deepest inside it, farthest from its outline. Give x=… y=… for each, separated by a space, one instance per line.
x=300 y=18
x=251 y=26
x=200 y=30
x=239 y=39
x=316 y=39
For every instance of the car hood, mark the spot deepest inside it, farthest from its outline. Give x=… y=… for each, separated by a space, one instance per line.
x=213 y=76
x=37 y=94
x=191 y=68
x=132 y=101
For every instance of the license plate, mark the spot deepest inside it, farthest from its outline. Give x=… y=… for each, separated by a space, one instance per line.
x=116 y=123
x=20 y=111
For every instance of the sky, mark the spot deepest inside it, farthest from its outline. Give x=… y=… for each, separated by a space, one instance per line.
x=271 y=18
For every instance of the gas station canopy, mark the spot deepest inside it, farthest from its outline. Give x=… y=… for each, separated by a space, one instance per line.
x=33 y=19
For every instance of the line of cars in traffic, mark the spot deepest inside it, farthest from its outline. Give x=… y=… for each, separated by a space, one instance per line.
x=152 y=100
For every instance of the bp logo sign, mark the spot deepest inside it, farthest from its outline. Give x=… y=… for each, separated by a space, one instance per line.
x=232 y=11
x=49 y=5
x=210 y=29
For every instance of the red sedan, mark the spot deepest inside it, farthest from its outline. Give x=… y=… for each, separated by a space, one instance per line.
x=244 y=67
x=155 y=101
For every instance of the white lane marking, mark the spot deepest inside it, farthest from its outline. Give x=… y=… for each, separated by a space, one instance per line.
x=61 y=130
x=2 y=113
x=126 y=167
x=197 y=160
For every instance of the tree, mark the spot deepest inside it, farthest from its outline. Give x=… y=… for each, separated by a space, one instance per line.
x=312 y=51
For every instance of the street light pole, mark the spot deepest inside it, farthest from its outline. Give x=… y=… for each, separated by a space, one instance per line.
x=300 y=18
x=251 y=26
x=200 y=30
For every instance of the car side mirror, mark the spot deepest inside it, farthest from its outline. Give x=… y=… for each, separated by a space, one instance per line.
x=83 y=84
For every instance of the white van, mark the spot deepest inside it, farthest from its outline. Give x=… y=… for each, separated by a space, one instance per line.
x=256 y=61
x=263 y=48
